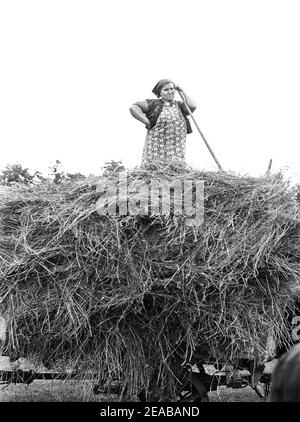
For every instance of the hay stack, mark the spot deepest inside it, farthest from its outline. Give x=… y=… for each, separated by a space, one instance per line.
x=123 y=295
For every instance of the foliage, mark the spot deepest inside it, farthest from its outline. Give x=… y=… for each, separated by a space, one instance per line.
x=59 y=176
x=112 y=168
x=15 y=173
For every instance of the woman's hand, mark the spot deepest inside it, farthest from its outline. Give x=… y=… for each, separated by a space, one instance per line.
x=192 y=105
x=178 y=88
x=148 y=125
x=180 y=91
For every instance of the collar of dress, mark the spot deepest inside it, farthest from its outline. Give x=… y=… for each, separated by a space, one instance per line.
x=170 y=103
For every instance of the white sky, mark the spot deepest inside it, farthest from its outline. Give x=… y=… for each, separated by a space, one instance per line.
x=70 y=69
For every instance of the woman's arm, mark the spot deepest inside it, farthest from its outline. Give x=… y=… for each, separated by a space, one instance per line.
x=139 y=110
x=190 y=102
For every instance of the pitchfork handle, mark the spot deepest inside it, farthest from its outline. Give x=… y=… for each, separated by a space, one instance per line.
x=206 y=143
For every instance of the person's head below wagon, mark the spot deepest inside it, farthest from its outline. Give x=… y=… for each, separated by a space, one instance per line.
x=286 y=377
x=166 y=122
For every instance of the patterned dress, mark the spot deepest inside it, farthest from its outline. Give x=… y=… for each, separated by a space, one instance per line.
x=165 y=142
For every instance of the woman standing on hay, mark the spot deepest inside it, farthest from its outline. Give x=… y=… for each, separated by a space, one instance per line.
x=167 y=124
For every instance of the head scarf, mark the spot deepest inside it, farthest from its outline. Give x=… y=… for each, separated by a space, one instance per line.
x=159 y=86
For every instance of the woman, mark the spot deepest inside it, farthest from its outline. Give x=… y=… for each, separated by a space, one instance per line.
x=167 y=124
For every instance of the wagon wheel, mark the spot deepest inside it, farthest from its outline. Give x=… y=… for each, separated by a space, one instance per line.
x=259 y=382
x=196 y=387
x=262 y=388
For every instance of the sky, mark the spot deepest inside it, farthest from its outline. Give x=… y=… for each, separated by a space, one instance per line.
x=70 y=69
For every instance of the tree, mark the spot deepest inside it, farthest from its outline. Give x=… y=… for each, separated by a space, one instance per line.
x=112 y=168
x=59 y=176
x=15 y=173
x=57 y=172
x=74 y=176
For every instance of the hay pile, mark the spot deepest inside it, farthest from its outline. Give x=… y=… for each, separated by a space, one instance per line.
x=124 y=295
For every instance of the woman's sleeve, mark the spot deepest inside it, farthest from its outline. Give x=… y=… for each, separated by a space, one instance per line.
x=143 y=105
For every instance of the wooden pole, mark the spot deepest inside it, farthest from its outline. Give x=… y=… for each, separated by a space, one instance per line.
x=269 y=167
x=206 y=143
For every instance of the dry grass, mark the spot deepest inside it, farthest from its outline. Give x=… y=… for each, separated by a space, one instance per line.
x=133 y=296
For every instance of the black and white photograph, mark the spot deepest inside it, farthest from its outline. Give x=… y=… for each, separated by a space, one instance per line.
x=149 y=205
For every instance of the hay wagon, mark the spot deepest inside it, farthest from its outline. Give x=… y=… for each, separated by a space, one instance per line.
x=134 y=300
x=196 y=381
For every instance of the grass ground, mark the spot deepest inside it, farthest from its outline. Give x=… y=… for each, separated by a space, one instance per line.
x=80 y=391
